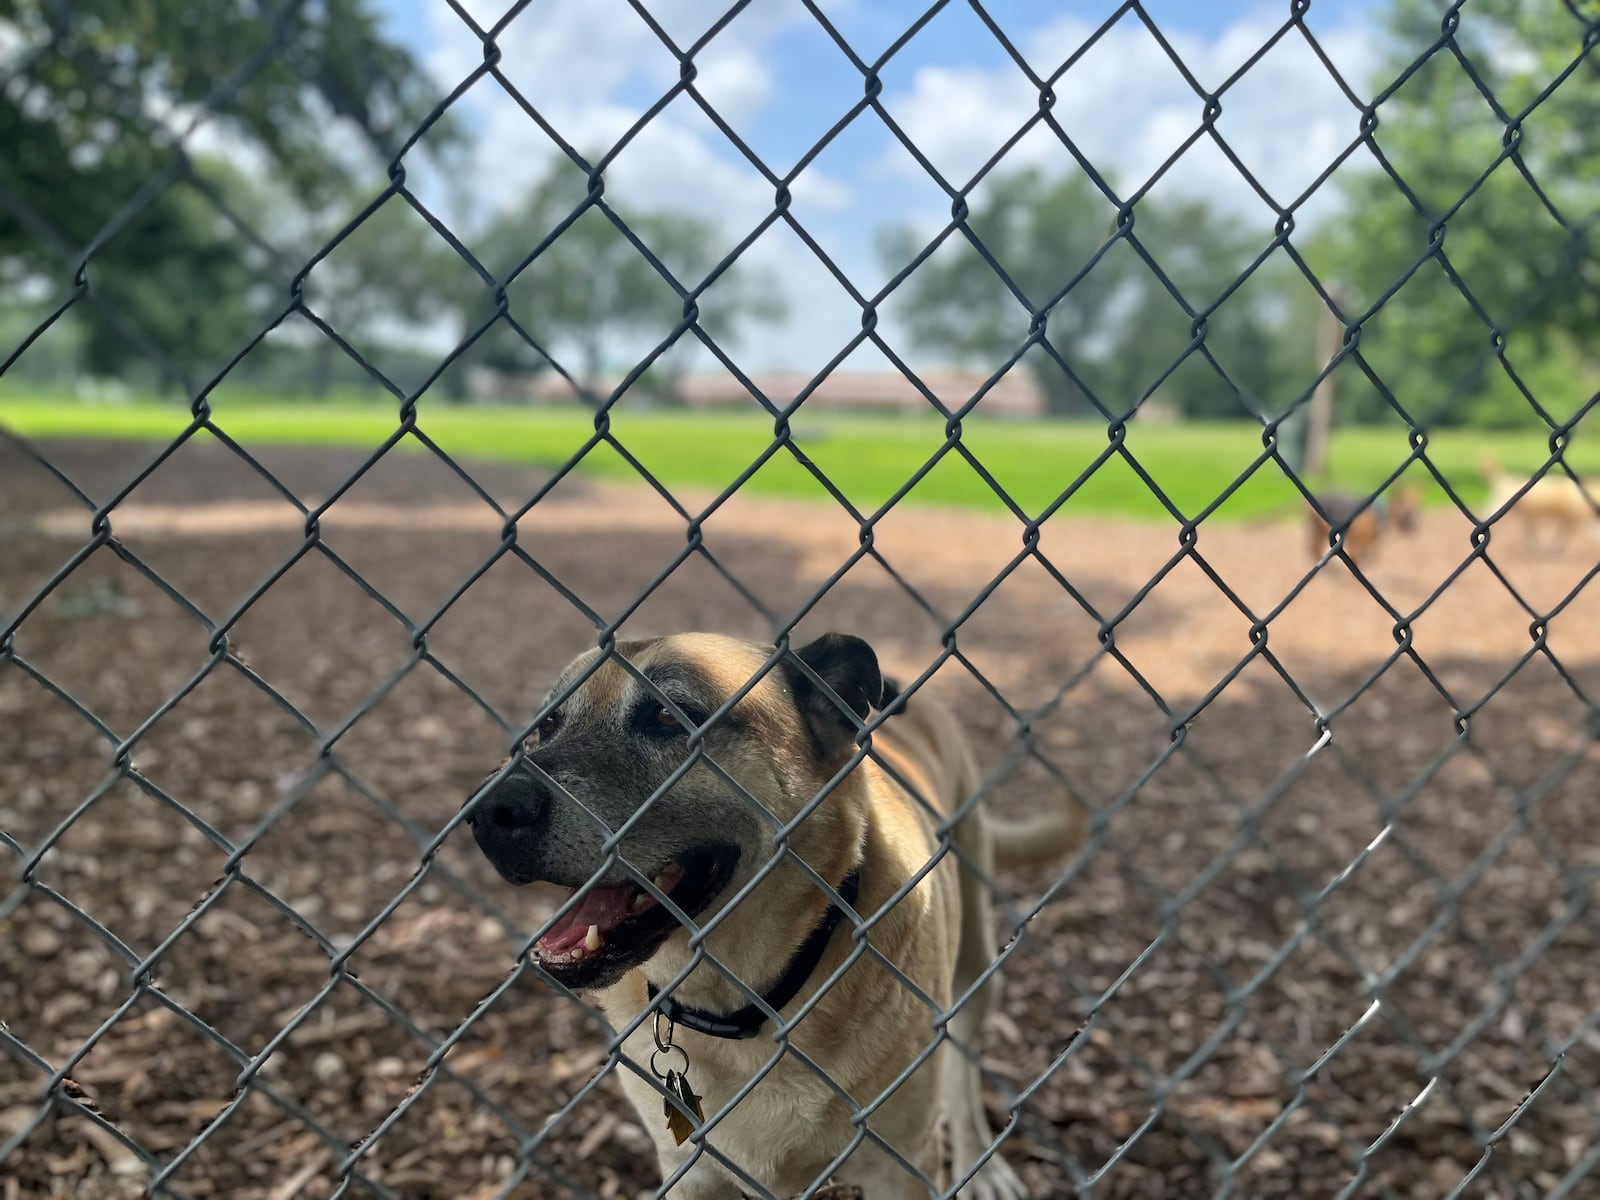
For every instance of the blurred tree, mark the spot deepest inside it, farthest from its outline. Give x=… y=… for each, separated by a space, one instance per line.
x=392 y=272
x=1119 y=328
x=1528 y=260
x=591 y=293
x=1203 y=252
x=96 y=104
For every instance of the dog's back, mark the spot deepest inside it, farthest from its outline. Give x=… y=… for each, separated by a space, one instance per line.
x=925 y=747
x=1357 y=515
x=1555 y=501
x=1364 y=519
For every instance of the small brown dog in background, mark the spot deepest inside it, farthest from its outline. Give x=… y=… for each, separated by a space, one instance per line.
x=1363 y=527
x=1554 y=503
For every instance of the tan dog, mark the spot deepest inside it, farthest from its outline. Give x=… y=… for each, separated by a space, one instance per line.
x=1555 y=503
x=1363 y=526
x=611 y=745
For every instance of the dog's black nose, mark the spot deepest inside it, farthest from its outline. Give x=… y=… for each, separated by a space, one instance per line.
x=508 y=822
x=507 y=812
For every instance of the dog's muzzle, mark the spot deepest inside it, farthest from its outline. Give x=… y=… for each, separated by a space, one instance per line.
x=508 y=823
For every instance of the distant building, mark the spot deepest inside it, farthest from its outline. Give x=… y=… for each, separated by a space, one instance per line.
x=1015 y=395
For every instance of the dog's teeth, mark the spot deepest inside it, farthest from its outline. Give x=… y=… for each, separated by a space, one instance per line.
x=591 y=940
x=641 y=902
x=576 y=954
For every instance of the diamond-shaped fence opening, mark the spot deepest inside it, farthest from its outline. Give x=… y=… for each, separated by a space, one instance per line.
x=1191 y=827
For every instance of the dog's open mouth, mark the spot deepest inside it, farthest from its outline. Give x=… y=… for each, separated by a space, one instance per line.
x=612 y=929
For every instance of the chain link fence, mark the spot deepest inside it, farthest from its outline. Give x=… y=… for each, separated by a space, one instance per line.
x=1329 y=932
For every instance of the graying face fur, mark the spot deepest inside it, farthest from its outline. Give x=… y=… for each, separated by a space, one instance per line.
x=611 y=745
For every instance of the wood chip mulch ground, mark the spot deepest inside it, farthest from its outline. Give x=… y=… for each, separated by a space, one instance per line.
x=1261 y=1019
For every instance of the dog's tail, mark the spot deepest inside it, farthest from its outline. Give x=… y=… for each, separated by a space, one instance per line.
x=1028 y=841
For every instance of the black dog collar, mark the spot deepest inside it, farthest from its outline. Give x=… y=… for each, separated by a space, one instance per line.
x=747 y=1022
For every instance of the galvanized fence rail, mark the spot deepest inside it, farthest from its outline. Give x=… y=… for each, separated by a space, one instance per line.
x=56 y=1092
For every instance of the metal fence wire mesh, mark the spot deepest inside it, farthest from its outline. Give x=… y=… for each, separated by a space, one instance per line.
x=1329 y=934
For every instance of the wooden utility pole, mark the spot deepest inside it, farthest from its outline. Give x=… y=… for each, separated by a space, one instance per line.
x=1319 y=423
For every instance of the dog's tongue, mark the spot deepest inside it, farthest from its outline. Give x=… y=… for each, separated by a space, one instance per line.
x=603 y=907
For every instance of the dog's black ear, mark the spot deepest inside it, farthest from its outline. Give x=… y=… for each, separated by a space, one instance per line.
x=848 y=666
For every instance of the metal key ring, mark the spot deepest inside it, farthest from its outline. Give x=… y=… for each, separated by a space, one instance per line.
x=656 y=1054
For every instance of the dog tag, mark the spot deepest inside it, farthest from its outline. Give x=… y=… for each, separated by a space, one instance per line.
x=679 y=1125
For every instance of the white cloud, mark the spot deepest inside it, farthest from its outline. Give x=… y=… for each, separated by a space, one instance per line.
x=735 y=84
x=592 y=68
x=823 y=192
x=1127 y=108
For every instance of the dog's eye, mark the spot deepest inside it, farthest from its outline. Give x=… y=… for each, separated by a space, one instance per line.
x=548 y=726
x=655 y=718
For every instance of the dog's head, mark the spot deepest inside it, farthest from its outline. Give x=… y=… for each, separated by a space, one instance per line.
x=611 y=745
x=1405 y=508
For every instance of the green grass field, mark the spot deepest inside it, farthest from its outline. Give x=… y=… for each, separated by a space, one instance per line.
x=868 y=458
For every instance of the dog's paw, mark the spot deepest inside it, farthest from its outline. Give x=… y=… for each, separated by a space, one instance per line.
x=995 y=1180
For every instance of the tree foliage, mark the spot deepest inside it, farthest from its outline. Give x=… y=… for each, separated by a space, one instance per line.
x=1517 y=212
x=1119 y=327
x=151 y=134
x=95 y=106
x=591 y=293
x=1504 y=163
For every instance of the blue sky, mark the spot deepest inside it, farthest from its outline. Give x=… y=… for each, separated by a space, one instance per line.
x=592 y=67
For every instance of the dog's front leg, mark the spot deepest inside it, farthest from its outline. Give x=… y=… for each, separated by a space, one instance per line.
x=703 y=1181
x=878 y=1175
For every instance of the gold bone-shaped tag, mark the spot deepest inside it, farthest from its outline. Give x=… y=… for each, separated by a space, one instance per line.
x=678 y=1125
